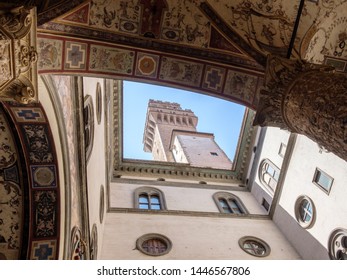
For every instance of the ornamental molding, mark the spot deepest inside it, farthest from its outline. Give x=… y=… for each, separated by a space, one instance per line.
x=307 y=99
x=18 y=55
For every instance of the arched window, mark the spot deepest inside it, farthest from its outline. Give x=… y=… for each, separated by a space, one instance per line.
x=229 y=203
x=149 y=198
x=269 y=174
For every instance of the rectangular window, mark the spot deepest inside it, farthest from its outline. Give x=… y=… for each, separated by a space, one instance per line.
x=282 y=150
x=323 y=180
x=265 y=204
x=214 y=153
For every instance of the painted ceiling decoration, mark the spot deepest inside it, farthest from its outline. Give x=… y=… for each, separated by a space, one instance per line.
x=12 y=215
x=217 y=47
x=45 y=9
x=326 y=41
x=34 y=202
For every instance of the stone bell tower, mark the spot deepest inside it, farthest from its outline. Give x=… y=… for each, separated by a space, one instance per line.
x=162 y=118
x=170 y=135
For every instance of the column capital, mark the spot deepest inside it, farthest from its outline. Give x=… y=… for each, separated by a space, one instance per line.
x=308 y=99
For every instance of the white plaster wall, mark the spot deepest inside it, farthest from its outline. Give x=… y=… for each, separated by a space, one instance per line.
x=270 y=150
x=272 y=142
x=192 y=237
x=180 y=198
x=96 y=170
x=331 y=210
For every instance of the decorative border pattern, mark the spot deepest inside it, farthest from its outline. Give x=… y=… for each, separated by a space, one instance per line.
x=340 y=65
x=38 y=146
x=66 y=55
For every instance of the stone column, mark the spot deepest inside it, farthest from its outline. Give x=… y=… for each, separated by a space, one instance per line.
x=307 y=99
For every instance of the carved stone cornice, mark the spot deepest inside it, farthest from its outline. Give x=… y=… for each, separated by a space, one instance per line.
x=18 y=56
x=308 y=99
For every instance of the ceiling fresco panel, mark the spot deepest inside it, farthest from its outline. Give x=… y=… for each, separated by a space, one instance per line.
x=162 y=26
x=328 y=37
x=267 y=26
x=11 y=193
x=232 y=32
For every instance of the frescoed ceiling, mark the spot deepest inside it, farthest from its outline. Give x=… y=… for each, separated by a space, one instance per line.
x=217 y=47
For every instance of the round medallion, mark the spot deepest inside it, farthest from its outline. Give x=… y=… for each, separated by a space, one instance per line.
x=147 y=65
x=44 y=176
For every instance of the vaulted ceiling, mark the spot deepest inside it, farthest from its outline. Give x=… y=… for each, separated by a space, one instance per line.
x=217 y=47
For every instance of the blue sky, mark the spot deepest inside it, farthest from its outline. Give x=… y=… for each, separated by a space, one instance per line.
x=217 y=116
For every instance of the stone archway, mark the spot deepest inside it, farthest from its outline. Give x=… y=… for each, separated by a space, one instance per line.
x=71 y=56
x=30 y=191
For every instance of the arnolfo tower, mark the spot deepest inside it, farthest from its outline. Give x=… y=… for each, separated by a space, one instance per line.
x=170 y=135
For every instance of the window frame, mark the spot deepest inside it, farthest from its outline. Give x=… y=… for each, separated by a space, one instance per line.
x=227 y=197
x=149 y=236
x=94 y=243
x=264 y=171
x=102 y=204
x=88 y=125
x=315 y=181
x=282 y=150
x=98 y=99
x=150 y=192
x=243 y=240
x=335 y=242
x=299 y=218
x=266 y=204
